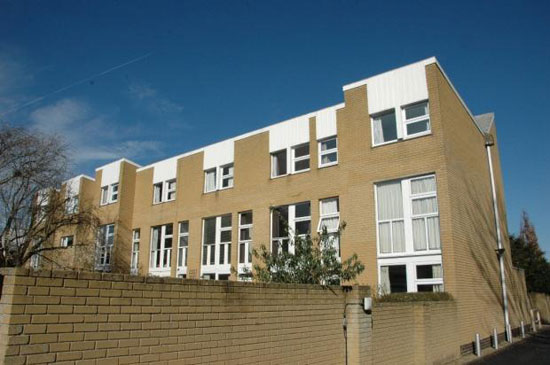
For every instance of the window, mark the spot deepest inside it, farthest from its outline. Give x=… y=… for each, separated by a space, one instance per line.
x=287 y=222
x=135 y=252
x=245 y=238
x=164 y=191
x=425 y=217
x=216 y=246
x=67 y=241
x=278 y=163
x=157 y=193
x=109 y=194
x=384 y=128
x=170 y=189
x=328 y=152
x=71 y=205
x=391 y=222
x=104 y=195
x=330 y=219
x=114 y=192
x=300 y=158
x=416 y=119
x=104 y=246
x=411 y=276
x=161 y=246
x=227 y=176
x=210 y=180
x=183 y=244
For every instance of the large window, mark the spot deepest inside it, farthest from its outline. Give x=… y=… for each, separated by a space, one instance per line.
x=416 y=119
x=219 y=178
x=135 y=252
x=279 y=163
x=104 y=247
x=226 y=176
x=161 y=247
x=384 y=128
x=329 y=219
x=407 y=216
x=216 y=247
x=411 y=275
x=71 y=205
x=300 y=158
x=109 y=194
x=288 y=221
x=328 y=152
x=164 y=191
x=183 y=248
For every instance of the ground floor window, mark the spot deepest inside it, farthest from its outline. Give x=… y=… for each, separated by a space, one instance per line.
x=410 y=274
x=135 y=252
x=104 y=247
x=216 y=247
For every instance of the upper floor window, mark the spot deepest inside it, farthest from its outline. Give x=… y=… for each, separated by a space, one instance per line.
x=109 y=194
x=218 y=178
x=135 y=252
x=416 y=119
x=67 y=241
x=300 y=158
x=278 y=163
x=161 y=246
x=164 y=191
x=328 y=152
x=71 y=205
x=384 y=128
x=407 y=215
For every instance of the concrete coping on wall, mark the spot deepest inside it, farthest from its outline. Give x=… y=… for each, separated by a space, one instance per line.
x=116 y=277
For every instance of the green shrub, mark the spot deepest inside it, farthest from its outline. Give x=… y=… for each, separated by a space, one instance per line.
x=414 y=297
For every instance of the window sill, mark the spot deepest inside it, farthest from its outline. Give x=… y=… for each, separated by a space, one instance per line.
x=328 y=165
x=408 y=254
x=403 y=139
x=163 y=202
x=412 y=136
x=220 y=189
x=109 y=203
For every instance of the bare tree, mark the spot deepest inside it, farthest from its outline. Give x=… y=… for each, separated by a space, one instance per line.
x=34 y=204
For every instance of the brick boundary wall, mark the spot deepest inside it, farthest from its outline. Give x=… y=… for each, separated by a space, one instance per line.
x=92 y=318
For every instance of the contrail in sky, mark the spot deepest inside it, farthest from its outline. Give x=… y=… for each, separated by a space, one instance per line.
x=40 y=98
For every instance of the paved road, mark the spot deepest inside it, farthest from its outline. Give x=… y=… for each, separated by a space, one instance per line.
x=533 y=350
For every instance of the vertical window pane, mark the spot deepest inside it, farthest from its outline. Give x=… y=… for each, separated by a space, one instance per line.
x=385 y=128
x=303 y=210
x=210 y=180
x=398 y=232
x=246 y=218
x=280 y=222
x=226 y=220
x=209 y=231
x=384 y=237
x=433 y=233
x=279 y=163
x=242 y=253
x=419 y=234
x=398 y=278
x=424 y=205
x=390 y=200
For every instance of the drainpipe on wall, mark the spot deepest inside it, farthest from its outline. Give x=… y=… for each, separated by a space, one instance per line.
x=489 y=141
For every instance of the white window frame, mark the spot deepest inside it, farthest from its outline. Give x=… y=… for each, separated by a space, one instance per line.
x=295 y=159
x=109 y=194
x=410 y=263
x=165 y=191
x=65 y=241
x=333 y=233
x=425 y=216
x=217 y=268
x=416 y=119
x=407 y=218
x=377 y=115
x=71 y=205
x=272 y=155
x=163 y=253
x=183 y=250
x=327 y=152
x=208 y=171
x=246 y=243
x=134 y=261
x=292 y=220
x=104 y=249
x=230 y=176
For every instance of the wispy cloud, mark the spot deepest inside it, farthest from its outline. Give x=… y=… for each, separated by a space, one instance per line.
x=91 y=136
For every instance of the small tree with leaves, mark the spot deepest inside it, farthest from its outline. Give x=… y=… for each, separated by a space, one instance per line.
x=314 y=261
x=33 y=200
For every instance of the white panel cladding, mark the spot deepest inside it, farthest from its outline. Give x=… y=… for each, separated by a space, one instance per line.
x=289 y=133
x=325 y=122
x=111 y=173
x=72 y=186
x=218 y=154
x=396 y=88
x=165 y=170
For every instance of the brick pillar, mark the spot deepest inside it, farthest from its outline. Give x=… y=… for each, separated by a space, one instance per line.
x=359 y=327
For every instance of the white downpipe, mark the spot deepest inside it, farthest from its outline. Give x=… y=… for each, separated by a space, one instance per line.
x=500 y=249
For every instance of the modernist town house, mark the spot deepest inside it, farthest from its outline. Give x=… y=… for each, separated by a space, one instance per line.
x=401 y=160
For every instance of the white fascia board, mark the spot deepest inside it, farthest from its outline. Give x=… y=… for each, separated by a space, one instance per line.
x=118 y=161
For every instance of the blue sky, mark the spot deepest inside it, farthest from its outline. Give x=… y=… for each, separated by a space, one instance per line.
x=151 y=79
